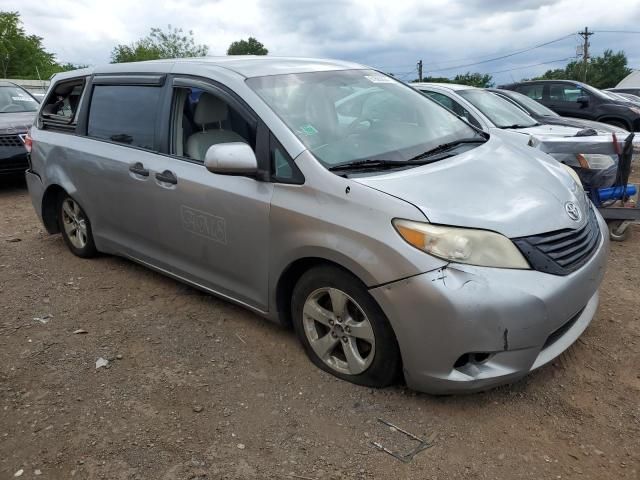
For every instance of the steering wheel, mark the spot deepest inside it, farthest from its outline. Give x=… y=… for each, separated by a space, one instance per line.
x=358 y=125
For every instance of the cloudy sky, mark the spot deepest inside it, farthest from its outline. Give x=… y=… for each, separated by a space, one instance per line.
x=391 y=35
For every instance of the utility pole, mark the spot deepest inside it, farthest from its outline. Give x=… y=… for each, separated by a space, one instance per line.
x=585 y=51
x=419 y=70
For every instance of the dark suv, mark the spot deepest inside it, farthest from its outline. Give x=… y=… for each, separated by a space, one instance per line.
x=17 y=110
x=576 y=99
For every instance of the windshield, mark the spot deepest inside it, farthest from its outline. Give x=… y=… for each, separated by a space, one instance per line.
x=15 y=99
x=350 y=115
x=531 y=105
x=501 y=112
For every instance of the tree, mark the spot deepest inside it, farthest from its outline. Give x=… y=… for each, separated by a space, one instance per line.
x=474 y=79
x=22 y=55
x=604 y=71
x=251 y=46
x=159 y=44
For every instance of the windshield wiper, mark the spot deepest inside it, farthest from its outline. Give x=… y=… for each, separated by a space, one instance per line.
x=447 y=146
x=367 y=164
x=517 y=125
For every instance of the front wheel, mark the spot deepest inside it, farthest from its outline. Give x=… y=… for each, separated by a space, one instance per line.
x=342 y=328
x=76 y=228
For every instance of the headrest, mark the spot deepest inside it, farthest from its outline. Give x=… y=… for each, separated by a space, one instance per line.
x=209 y=109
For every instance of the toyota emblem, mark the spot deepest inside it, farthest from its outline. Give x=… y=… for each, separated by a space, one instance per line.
x=573 y=211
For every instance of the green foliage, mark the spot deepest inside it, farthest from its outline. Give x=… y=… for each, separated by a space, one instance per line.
x=159 y=44
x=472 y=79
x=251 y=46
x=604 y=71
x=22 y=55
x=483 y=80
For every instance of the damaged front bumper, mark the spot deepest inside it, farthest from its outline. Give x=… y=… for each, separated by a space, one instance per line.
x=464 y=328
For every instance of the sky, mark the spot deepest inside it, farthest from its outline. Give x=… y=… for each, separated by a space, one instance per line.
x=389 y=35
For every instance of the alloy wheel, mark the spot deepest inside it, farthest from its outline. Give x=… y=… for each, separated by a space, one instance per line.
x=338 y=331
x=74 y=223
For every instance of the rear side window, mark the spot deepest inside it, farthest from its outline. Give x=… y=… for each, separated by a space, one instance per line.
x=60 y=109
x=531 y=91
x=124 y=114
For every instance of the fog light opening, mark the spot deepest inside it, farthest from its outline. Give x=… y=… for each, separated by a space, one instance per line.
x=471 y=358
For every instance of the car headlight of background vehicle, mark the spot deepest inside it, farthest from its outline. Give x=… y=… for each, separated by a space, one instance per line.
x=635 y=110
x=590 y=161
x=595 y=161
x=462 y=245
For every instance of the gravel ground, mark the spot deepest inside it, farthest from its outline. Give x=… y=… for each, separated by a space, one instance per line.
x=197 y=388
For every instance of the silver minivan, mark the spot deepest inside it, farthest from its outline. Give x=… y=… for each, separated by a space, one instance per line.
x=392 y=235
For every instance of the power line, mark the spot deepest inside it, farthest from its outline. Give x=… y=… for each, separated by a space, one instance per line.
x=616 y=31
x=502 y=56
x=529 y=66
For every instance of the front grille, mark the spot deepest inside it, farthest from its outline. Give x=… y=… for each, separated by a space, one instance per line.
x=10 y=141
x=563 y=251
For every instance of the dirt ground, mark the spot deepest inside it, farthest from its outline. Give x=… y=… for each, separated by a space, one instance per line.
x=198 y=388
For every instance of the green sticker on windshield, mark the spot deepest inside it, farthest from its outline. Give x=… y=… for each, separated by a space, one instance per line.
x=308 y=130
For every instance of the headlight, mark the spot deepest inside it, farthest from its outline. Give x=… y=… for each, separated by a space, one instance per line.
x=595 y=161
x=635 y=110
x=462 y=245
x=574 y=175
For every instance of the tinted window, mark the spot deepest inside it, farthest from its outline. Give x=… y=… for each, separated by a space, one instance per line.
x=531 y=91
x=565 y=93
x=124 y=114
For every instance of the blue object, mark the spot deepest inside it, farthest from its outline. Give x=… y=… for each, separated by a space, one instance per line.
x=616 y=193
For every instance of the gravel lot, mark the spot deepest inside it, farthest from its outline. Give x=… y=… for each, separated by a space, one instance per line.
x=197 y=388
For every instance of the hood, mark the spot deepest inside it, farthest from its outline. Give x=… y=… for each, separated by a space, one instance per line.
x=499 y=186
x=581 y=124
x=548 y=130
x=18 y=122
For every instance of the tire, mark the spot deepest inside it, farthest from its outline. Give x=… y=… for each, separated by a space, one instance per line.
x=75 y=227
x=360 y=344
x=615 y=234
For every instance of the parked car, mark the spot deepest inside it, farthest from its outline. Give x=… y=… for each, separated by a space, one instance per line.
x=630 y=83
x=575 y=99
x=17 y=111
x=547 y=116
x=402 y=241
x=630 y=91
x=629 y=97
x=597 y=167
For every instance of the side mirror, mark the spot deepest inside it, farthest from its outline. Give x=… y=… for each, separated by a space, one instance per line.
x=583 y=100
x=235 y=158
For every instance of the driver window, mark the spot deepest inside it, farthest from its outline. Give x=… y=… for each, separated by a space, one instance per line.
x=201 y=119
x=454 y=106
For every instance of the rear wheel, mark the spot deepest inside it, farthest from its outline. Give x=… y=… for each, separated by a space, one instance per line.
x=342 y=328
x=75 y=228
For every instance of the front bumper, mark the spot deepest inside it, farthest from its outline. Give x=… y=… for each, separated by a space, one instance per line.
x=13 y=160
x=519 y=319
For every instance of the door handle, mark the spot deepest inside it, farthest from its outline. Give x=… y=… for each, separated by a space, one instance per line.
x=138 y=169
x=167 y=177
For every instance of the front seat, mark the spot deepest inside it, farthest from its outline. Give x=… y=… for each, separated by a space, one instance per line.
x=209 y=110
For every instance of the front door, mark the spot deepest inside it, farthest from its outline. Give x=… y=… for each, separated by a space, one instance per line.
x=211 y=229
